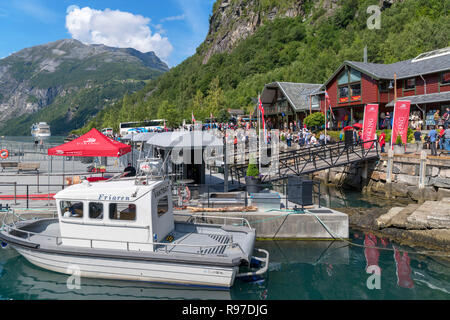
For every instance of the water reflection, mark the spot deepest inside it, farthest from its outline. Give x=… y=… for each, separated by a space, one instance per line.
x=298 y=270
x=403 y=266
x=24 y=281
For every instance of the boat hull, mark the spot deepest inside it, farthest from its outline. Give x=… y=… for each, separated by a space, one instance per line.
x=118 y=269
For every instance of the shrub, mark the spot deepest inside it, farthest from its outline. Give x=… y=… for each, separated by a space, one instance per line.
x=252 y=170
x=315 y=120
x=399 y=140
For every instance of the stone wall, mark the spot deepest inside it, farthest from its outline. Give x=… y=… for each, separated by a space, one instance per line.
x=372 y=177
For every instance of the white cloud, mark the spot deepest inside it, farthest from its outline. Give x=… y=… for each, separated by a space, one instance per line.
x=174 y=18
x=116 y=28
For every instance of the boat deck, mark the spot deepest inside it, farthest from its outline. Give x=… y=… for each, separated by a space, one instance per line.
x=187 y=238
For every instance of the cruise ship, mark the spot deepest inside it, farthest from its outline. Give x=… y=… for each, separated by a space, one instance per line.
x=40 y=130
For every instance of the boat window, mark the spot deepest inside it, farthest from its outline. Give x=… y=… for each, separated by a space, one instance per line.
x=71 y=209
x=163 y=206
x=96 y=210
x=122 y=211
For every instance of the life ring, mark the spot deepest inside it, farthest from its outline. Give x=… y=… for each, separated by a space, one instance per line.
x=4 y=153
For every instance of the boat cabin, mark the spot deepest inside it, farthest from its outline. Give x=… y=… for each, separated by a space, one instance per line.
x=115 y=214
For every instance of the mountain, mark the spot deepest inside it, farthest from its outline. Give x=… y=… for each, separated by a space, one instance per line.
x=66 y=83
x=254 y=42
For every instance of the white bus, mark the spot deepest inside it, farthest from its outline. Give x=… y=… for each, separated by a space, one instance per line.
x=141 y=126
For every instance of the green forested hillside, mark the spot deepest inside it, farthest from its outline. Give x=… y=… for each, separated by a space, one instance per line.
x=307 y=48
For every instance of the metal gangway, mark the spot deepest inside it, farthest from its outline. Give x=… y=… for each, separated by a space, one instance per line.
x=310 y=159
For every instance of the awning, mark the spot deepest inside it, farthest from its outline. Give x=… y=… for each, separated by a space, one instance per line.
x=424 y=98
x=92 y=144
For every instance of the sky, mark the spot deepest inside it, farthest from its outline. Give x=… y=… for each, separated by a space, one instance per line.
x=173 y=29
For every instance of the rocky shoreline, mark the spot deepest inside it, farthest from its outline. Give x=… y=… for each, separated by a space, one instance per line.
x=424 y=225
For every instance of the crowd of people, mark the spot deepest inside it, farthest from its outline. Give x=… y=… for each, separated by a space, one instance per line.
x=295 y=133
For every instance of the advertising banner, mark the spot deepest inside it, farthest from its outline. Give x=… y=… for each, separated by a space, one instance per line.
x=370 y=125
x=401 y=122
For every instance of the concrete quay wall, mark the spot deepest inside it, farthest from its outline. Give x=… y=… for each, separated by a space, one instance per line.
x=395 y=176
x=287 y=226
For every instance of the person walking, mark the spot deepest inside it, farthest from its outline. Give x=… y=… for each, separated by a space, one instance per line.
x=418 y=140
x=433 y=137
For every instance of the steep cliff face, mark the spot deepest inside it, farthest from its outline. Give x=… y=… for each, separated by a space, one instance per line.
x=53 y=74
x=235 y=20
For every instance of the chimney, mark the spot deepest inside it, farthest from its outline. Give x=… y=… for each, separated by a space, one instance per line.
x=365 y=54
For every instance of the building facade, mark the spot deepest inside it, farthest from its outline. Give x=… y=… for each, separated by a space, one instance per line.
x=424 y=80
x=287 y=102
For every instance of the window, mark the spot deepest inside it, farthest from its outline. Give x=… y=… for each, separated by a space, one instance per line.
x=410 y=84
x=355 y=91
x=314 y=101
x=349 y=86
x=343 y=94
x=122 y=211
x=71 y=209
x=163 y=206
x=96 y=210
x=355 y=76
x=343 y=78
x=445 y=78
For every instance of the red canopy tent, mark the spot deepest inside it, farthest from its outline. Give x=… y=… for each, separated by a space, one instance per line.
x=92 y=144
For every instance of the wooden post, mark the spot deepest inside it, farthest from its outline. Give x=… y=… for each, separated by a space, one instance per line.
x=390 y=166
x=310 y=105
x=395 y=88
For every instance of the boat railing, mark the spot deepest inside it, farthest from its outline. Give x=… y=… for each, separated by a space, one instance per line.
x=244 y=222
x=167 y=246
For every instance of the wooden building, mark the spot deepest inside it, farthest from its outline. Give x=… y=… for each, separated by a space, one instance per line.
x=424 y=80
x=286 y=102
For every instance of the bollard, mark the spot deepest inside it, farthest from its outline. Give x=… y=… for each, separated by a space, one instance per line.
x=390 y=165
x=423 y=169
x=28 y=206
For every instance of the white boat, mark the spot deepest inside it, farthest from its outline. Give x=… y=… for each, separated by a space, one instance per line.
x=41 y=130
x=126 y=230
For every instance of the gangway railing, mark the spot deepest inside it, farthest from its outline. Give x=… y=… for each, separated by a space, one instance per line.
x=312 y=159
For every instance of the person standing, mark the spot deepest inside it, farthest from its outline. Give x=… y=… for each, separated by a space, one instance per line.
x=447 y=139
x=433 y=139
x=387 y=120
x=418 y=140
x=446 y=118
x=441 y=137
x=382 y=141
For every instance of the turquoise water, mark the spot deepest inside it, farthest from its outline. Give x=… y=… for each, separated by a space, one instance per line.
x=297 y=271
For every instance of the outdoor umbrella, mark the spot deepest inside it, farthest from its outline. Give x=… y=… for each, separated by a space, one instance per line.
x=358 y=125
x=348 y=128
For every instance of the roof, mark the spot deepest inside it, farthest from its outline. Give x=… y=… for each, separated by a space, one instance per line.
x=92 y=144
x=139 y=137
x=403 y=69
x=120 y=191
x=424 y=98
x=185 y=139
x=296 y=93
